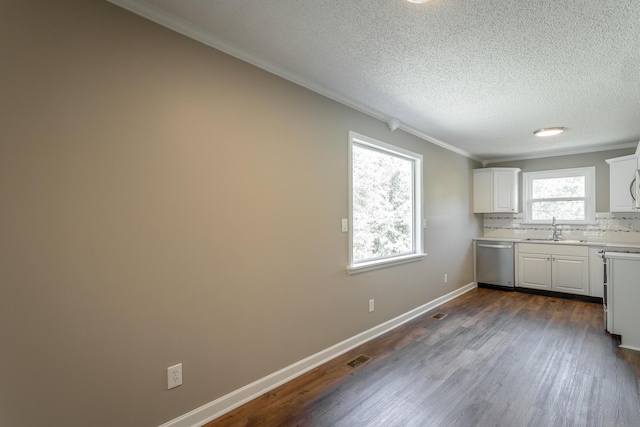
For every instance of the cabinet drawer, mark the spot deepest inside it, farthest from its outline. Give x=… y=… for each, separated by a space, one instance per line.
x=551 y=249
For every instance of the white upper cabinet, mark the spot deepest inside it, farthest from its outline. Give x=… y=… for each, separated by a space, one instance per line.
x=482 y=191
x=495 y=190
x=622 y=171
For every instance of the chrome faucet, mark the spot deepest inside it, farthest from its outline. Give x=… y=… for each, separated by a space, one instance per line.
x=557 y=234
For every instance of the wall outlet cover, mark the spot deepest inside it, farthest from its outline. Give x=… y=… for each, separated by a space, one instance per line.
x=174 y=376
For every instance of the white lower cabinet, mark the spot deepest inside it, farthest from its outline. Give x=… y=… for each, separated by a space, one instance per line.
x=558 y=268
x=570 y=274
x=623 y=295
x=534 y=271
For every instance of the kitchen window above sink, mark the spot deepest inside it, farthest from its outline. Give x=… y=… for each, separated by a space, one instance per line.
x=568 y=195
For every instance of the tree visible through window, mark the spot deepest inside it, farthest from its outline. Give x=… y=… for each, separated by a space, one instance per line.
x=385 y=201
x=567 y=194
x=382 y=204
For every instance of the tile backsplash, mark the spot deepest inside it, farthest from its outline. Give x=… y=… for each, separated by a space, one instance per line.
x=616 y=227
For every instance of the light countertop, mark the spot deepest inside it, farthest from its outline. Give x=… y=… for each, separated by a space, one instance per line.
x=562 y=242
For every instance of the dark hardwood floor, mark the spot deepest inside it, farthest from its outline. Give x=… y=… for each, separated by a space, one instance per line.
x=497 y=359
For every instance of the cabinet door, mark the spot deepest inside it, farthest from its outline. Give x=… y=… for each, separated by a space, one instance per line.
x=534 y=271
x=624 y=302
x=621 y=173
x=482 y=191
x=570 y=274
x=505 y=185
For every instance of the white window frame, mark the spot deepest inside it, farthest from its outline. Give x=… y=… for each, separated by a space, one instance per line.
x=590 y=193
x=418 y=244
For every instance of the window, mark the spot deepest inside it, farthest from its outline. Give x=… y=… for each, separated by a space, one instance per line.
x=385 y=195
x=566 y=194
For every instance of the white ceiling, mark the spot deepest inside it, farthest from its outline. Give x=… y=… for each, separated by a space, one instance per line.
x=476 y=75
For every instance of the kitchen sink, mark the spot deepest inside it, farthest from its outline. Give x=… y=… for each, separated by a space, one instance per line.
x=554 y=241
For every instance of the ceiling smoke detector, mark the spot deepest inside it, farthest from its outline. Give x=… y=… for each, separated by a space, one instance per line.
x=549 y=131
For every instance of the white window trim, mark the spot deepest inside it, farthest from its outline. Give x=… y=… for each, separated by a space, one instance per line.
x=418 y=241
x=590 y=193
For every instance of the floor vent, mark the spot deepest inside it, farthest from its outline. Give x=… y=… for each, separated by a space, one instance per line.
x=439 y=316
x=359 y=361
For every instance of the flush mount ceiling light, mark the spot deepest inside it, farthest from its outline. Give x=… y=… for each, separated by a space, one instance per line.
x=549 y=131
x=417 y=1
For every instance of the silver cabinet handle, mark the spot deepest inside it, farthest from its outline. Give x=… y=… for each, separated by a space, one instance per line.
x=480 y=245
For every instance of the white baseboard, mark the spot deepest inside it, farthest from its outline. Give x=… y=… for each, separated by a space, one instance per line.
x=227 y=403
x=629 y=347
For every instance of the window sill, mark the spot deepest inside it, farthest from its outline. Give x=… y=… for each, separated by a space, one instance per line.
x=375 y=265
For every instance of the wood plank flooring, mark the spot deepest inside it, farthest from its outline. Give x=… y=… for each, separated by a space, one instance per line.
x=497 y=359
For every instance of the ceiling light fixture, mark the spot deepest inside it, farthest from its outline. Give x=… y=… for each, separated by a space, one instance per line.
x=549 y=131
x=417 y=1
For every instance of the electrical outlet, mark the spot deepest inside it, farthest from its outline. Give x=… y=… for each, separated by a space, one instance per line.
x=174 y=376
x=345 y=225
x=371 y=305
x=445 y=278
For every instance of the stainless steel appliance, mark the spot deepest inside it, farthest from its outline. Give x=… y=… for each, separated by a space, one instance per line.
x=495 y=264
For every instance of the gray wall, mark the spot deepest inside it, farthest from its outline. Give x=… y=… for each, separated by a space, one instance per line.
x=596 y=159
x=162 y=203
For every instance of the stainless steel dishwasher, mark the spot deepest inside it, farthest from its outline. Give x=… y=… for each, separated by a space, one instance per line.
x=495 y=264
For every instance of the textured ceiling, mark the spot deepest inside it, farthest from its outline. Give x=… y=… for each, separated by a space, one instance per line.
x=478 y=75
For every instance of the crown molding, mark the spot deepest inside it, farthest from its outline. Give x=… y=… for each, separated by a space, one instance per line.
x=562 y=153
x=183 y=27
x=180 y=26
